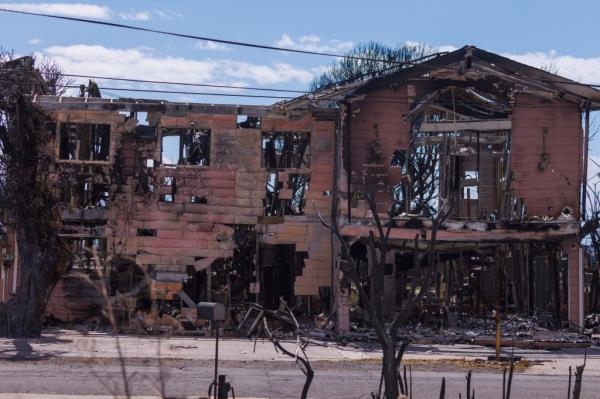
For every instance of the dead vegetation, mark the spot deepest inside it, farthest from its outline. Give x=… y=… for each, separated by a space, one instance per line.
x=28 y=197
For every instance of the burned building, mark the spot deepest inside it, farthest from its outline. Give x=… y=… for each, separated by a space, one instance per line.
x=210 y=202
x=221 y=202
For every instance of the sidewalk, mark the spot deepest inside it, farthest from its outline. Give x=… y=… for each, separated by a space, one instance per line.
x=46 y=396
x=72 y=344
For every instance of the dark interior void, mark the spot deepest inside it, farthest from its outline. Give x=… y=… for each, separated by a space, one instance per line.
x=196 y=286
x=227 y=280
x=285 y=197
x=84 y=193
x=285 y=150
x=127 y=277
x=472 y=281
x=84 y=141
x=277 y=274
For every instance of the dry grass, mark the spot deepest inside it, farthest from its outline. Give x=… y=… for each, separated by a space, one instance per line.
x=467 y=364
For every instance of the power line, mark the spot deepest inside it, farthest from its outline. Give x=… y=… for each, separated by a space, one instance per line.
x=187 y=92
x=373 y=99
x=184 y=83
x=285 y=90
x=381 y=99
x=211 y=39
x=414 y=62
x=219 y=86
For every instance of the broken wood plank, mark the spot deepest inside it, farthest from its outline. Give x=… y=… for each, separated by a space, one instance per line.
x=496 y=124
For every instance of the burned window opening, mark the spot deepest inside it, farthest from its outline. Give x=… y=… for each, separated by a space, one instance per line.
x=168 y=190
x=198 y=199
x=470 y=185
x=84 y=142
x=465 y=133
x=285 y=199
x=145 y=182
x=185 y=146
x=88 y=254
x=142 y=118
x=84 y=193
x=171 y=150
x=168 y=198
x=299 y=187
x=248 y=122
x=146 y=232
x=418 y=190
x=282 y=150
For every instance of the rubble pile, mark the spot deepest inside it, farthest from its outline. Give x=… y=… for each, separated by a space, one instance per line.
x=538 y=330
x=591 y=324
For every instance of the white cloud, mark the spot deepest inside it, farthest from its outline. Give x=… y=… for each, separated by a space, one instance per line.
x=65 y=9
x=314 y=43
x=35 y=40
x=447 y=47
x=144 y=63
x=168 y=14
x=210 y=45
x=585 y=70
x=135 y=15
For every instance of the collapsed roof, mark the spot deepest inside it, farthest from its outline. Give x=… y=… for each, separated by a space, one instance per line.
x=468 y=65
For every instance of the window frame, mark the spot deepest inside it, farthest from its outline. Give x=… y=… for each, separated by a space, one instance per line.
x=71 y=121
x=182 y=131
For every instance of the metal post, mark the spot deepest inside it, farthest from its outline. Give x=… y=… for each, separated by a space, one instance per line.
x=497 y=317
x=215 y=381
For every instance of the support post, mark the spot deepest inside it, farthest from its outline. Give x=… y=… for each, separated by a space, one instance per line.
x=15 y=269
x=348 y=148
x=586 y=143
x=498 y=338
x=575 y=281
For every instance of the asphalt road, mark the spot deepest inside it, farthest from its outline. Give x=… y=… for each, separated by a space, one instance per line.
x=265 y=379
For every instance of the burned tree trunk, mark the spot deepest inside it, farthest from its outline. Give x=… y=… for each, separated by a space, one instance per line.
x=387 y=335
x=390 y=369
x=28 y=199
x=22 y=316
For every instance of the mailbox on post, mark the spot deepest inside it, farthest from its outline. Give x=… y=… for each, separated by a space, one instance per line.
x=215 y=312
x=212 y=311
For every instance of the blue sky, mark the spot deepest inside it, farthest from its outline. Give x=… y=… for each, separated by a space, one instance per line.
x=535 y=32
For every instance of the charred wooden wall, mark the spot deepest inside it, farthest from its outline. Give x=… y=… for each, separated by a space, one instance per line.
x=377 y=129
x=545 y=192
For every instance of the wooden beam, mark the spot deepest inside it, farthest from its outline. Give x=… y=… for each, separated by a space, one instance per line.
x=496 y=124
x=465 y=235
x=420 y=141
x=54 y=103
